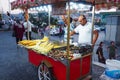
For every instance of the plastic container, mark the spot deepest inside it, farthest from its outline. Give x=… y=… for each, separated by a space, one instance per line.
x=105 y=77
x=113 y=73
x=113 y=68
x=112 y=64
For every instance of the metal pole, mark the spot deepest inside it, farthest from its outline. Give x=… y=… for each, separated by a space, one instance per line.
x=9 y=5
x=49 y=17
x=49 y=21
x=68 y=44
x=27 y=17
x=93 y=15
x=28 y=31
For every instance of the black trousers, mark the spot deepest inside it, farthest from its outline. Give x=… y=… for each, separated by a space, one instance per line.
x=102 y=60
x=28 y=36
x=18 y=39
x=112 y=56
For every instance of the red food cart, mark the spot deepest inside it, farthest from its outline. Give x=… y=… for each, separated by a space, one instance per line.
x=52 y=69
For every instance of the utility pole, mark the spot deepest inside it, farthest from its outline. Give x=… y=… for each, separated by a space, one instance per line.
x=9 y=4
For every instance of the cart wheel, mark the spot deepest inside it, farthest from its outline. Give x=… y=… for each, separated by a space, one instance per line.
x=44 y=72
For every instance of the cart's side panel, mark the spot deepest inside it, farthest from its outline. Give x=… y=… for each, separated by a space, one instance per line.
x=59 y=69
x=86 y=65
x=78 y=68
x=75 y=69
x=34 y=58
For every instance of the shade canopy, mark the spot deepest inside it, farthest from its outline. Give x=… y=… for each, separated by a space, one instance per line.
x=98 y=3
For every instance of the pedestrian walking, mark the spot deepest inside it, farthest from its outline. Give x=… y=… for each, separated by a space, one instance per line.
x=60 y=31
x=28 y=29
x=112 y=49
x=19 y=31
x=99 y=52
x=14 y=22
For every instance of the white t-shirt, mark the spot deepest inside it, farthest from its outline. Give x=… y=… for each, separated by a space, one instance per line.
x=84 y=33
x=28 y=26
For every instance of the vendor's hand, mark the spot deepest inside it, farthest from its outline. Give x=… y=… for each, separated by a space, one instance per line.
x=63 y=18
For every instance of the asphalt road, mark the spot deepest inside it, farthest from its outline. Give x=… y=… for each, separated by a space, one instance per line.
x=14 y=64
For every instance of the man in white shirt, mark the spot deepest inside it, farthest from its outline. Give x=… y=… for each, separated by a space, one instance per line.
x=85 y=32
x=28 y=28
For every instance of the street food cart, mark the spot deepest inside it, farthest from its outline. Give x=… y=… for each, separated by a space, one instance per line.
x=56 y=65
x=53 y=69
x=64 y=67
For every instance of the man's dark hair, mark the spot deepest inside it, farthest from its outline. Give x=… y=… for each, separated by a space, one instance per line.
x=100 y=43
x=112 y=42
x=84 y=17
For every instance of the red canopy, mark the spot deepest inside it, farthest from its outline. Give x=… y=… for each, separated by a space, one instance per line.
x=107 y=4
x=98 y=3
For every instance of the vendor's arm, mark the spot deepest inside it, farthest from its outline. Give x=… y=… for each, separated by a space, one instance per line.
x=72 y=33
x=63 y=17
x=95 y=36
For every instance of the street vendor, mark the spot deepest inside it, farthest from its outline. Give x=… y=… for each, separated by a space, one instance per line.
x=85 y=31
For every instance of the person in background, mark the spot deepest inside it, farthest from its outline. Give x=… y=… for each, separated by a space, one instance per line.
x=28 y=29
x=19 y=31
x=9 y=23
x=75 y=22
x=1 y=23
x=85 y=32
x=99 y=52
x=112 y=49
x=65 y=19
x=41 y=33
x=60 y=30
x=14 y=22
x=8 y=14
